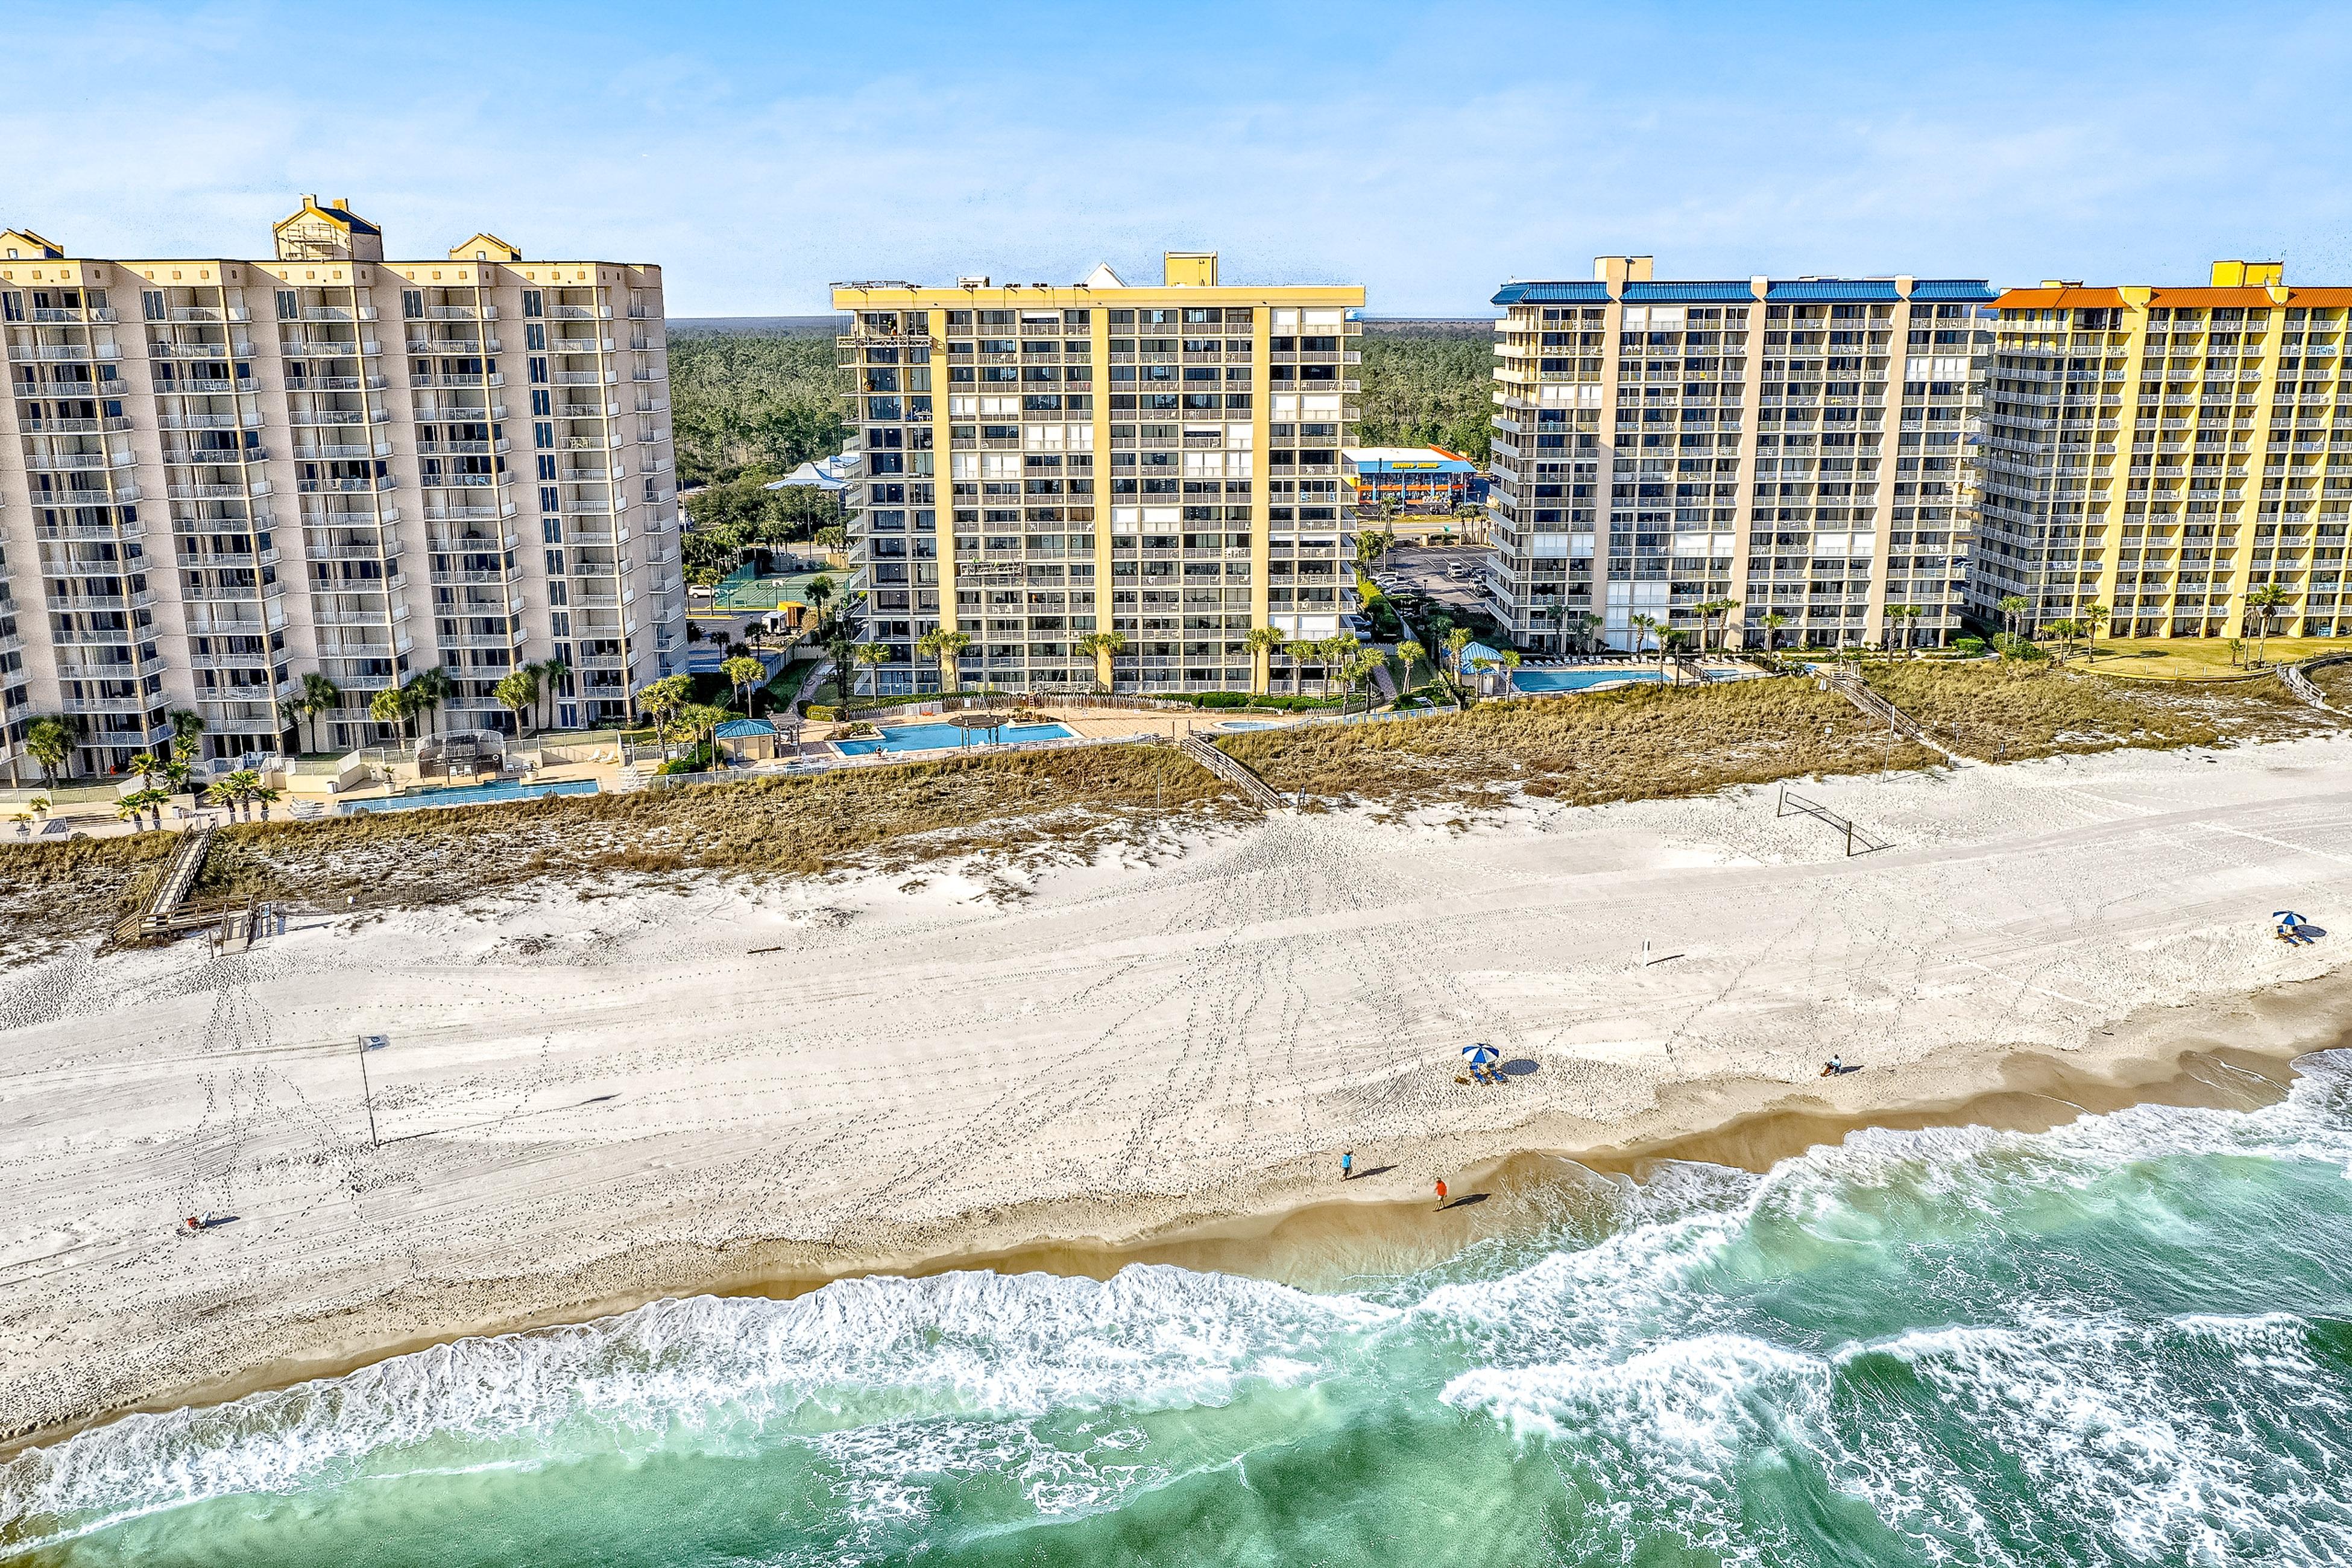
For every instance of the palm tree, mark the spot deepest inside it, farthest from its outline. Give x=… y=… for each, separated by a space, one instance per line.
x=819 y=593
x=1647 y=626
x=1510 y=662
x=1409 y=654
x=746 y=676
x=318 y=697
x=2065 y=630
x=1102 y=647
x=700 y=720
x=2263 y=603
x=1773 y=622
x=393 y=705
x=1359 y=672
x=660 y=700
x=872 y=655
x=1336 y=650
x=548 y=673
x=1262 y=642
x=2012 y=608
x=186 y=725
x=433 y=686
x=517 y=690
x=50 y=742
x=1456 y=639
x=2095 y=615
x=947 y=647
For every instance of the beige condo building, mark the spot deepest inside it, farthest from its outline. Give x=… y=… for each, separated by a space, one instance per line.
x=1797 y=447
x=1044 y=462
x=219 y=477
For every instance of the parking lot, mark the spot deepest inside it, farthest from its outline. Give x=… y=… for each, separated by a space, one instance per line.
x=1449 y=574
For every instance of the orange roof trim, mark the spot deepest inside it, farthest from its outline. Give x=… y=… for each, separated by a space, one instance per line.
x=2212 y=299
x=2061 y=299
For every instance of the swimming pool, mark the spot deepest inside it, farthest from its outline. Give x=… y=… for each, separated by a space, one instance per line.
x=473 y=795
x=1250 y=724
x=930 y=737
x=1538 y=682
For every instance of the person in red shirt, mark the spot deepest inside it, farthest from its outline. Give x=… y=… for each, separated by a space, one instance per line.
x=1441 y=1193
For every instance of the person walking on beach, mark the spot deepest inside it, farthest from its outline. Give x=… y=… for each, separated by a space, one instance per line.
x=1347 y=1165
x=1440 y=1192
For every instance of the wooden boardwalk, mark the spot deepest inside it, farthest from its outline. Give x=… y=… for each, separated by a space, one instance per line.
x=1233 y=771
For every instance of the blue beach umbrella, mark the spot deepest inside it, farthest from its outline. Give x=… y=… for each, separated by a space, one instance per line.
x=1479 y=1055
x=2287 y=916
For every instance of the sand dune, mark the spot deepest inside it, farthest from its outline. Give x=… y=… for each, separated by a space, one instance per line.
x=592 y=1102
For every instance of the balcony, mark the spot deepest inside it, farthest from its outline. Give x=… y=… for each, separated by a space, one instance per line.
x=74 y=426
x=584 y=378
x=167 y=386
x=55 y=352
x=216 y=492
x=71 y=462
x=380 y=618
x=389 y=550
x=579 y=313
x=329 y=486
x=487 y=379
x=297 y=384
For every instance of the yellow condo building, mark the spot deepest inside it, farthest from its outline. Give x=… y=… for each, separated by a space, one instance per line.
x=1099 y=484
x=2169 y=454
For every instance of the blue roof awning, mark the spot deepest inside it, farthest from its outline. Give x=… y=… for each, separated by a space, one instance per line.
x=1974 y=289
x=1700 y=293
x=1827 y=288
x=739 y=728
x=1552 y=294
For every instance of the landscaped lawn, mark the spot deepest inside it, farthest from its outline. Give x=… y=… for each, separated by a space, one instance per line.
x=2202 y=658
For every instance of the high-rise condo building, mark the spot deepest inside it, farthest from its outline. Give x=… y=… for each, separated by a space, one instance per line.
x=1795 y=446
x=2166 y=453
x=221 y=477
x=1044 y=464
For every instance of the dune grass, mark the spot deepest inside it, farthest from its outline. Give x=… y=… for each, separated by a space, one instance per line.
x=2007 y=711
x=1058 y=804
x=1647 y=742
x=1638 y=743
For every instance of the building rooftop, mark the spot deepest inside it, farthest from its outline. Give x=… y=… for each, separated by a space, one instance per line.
x=1643 y=291
x=1434 y=458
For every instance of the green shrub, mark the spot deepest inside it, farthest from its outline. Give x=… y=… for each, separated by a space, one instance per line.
x=1969 y=644
x=822 y=713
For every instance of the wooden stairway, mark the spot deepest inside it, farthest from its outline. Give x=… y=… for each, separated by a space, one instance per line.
x=1234 y=772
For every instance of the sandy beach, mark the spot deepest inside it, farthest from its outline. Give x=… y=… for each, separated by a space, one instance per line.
x=589 y=1101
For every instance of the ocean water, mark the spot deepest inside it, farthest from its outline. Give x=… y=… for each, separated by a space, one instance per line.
x=2129 y=1340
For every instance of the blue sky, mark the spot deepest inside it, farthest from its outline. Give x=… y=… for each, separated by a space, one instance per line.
x=1429 y=152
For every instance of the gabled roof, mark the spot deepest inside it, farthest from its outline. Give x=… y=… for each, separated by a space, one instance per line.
x=26 y=239
x=739 y=728
x=334 y=212
x=492 y=248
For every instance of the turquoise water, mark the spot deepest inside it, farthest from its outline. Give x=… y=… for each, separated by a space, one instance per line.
x=925 y=737
x=473 y=795
x=2128 y=1341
